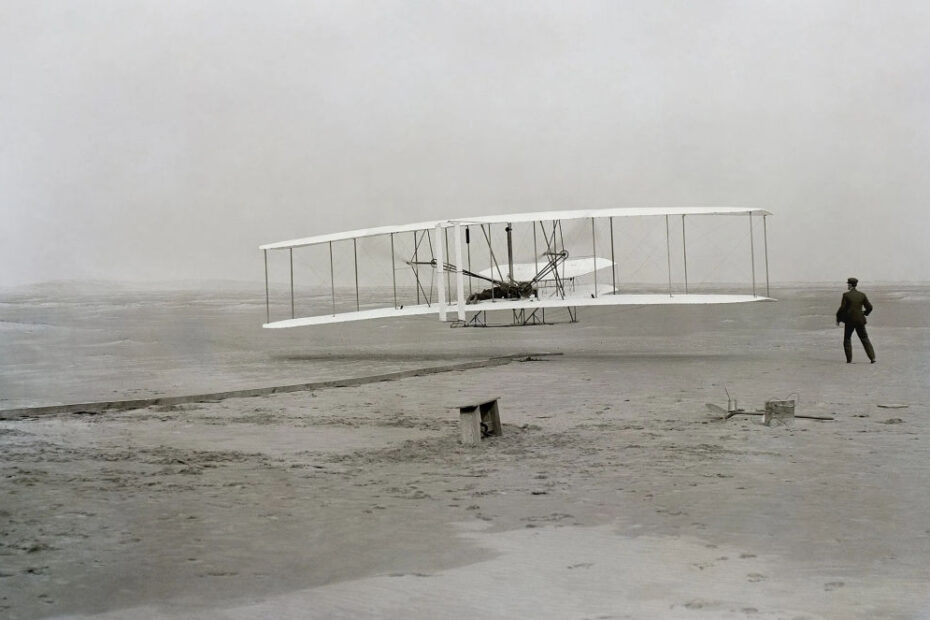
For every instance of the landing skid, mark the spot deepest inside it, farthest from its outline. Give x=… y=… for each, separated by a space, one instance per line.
x=521 y=318
x=480 y=319
x=535 y=317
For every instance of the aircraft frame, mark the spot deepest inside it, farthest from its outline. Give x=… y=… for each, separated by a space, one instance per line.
x=553 y=270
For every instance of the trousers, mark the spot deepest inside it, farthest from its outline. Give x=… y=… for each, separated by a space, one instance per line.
x=863 y=336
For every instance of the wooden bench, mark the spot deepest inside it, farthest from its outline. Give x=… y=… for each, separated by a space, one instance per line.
x=479 y=420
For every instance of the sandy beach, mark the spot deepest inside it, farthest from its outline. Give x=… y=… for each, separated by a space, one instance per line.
x=614 y=492
x=230 y=229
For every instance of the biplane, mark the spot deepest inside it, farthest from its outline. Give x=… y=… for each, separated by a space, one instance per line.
x=522 y=263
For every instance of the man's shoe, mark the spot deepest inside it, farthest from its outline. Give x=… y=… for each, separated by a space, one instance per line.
x=872 y=362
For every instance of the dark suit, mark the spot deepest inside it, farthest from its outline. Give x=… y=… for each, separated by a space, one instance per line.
x=853 y=309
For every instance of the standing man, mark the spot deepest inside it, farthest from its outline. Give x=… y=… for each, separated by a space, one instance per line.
x=851 y=313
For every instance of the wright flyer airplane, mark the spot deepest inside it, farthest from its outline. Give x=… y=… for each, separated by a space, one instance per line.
x=520 y=263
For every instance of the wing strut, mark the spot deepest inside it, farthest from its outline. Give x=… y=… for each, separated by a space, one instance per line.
x=535 y=251
x=668 y=249
x=332 y=277
x=594 y=254
x=752 y=253
x=445 y=234
x=765 y=238
x=468 y=248
x=267 y=300
x=684 y=251
x=416 y=274
x=440 y=276
x=509 y=230
x=459 y=276
x=393 y=271
x=613 y=264
x=355 y=255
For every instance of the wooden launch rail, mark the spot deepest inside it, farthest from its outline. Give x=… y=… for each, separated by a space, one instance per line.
x=141 y=403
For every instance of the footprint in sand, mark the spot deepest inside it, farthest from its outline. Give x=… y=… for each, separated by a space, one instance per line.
x=756 y=577
x=699 y=604
x=833 y=585
x=409 y=575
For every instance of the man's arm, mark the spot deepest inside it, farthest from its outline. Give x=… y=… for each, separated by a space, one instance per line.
x=841 y=313
x=866 y=305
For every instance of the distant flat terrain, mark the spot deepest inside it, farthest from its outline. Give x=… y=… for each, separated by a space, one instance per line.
x=613 y=492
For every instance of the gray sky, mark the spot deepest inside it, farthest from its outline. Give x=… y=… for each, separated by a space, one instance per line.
x=162 y=140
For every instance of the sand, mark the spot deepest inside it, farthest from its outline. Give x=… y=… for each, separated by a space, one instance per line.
x=613 y=492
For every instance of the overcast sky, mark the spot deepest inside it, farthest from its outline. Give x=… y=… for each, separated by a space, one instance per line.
x=166 y=140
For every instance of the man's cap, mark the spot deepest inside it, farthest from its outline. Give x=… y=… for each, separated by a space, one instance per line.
x=853 y=281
